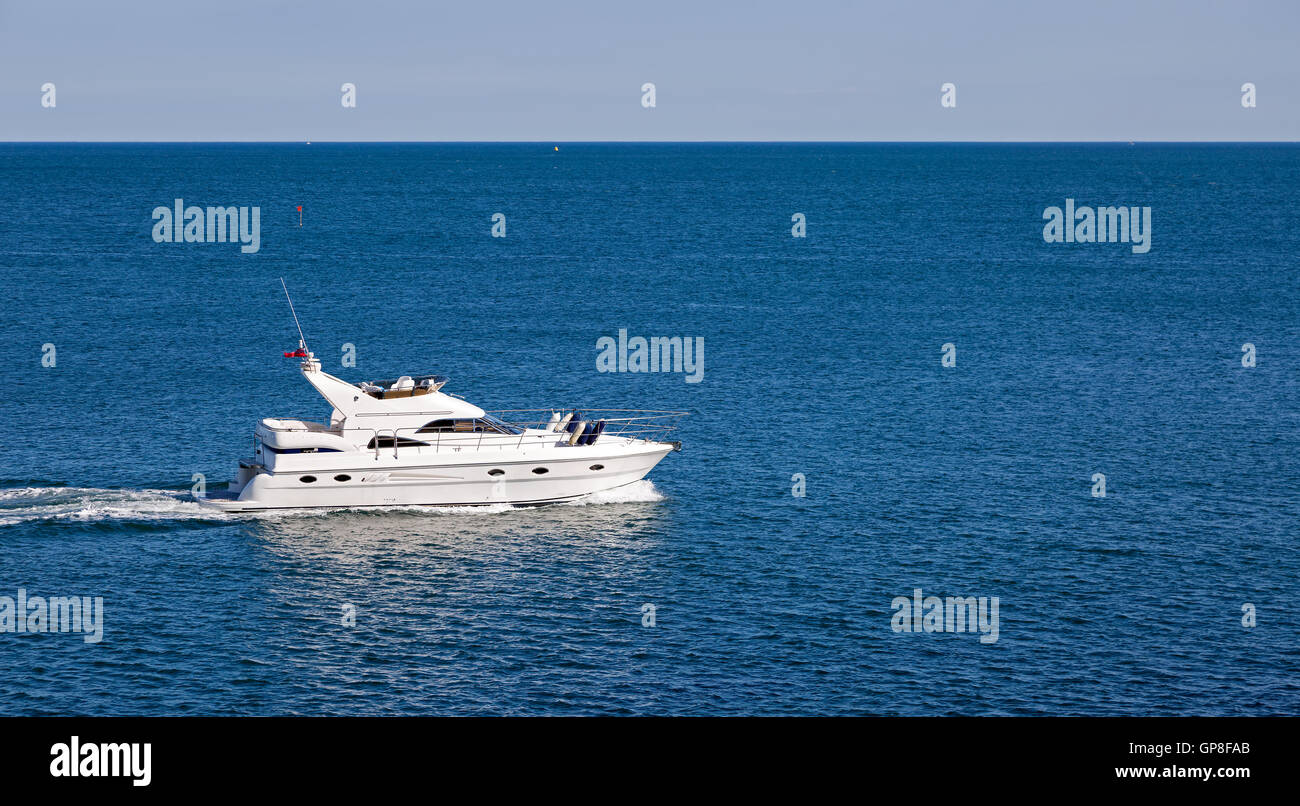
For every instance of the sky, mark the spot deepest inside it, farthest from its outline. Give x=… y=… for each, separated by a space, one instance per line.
x=561 y=71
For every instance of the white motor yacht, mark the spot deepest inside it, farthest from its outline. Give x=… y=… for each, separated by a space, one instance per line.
x=404 y=442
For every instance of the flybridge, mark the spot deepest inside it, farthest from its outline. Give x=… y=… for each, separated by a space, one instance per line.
x=405 y=386
x=181 y=224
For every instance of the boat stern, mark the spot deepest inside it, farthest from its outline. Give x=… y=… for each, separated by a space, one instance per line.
x=234 y=498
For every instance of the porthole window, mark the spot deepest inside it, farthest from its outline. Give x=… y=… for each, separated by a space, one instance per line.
x=307 y=479
x=540 y=470
x=343 y=477
x=597 y=467
x=496 y=471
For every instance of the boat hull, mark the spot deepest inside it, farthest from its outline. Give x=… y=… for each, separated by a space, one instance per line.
x=515 y=482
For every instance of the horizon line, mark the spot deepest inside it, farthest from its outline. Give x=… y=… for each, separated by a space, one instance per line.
x=649 y=142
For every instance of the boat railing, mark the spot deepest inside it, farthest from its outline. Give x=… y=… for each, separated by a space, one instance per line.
x=535 y=428
x=637 y=424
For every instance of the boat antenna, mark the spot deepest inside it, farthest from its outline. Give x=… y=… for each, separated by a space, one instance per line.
x=302 y=342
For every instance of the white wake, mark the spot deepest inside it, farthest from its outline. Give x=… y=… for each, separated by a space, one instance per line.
x=638 y=492
x=89 y=504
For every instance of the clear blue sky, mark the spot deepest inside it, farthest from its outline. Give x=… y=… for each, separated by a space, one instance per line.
x=565 y=71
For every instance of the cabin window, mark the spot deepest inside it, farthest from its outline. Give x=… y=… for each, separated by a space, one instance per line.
x=540 y=470
x=597 y=467
x=484 y=425
x=451 y=427
x=387 y=442
x=307 y=479
x=343 y=477
x=437 y=426
x=496 y=471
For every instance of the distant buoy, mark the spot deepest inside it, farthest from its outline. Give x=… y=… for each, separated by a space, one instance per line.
x=557 y=148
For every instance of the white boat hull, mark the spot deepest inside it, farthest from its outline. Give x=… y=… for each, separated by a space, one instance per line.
x=361 y=481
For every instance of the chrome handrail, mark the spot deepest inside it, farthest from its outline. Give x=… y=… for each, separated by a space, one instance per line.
x=640 y=424
x=628 y=423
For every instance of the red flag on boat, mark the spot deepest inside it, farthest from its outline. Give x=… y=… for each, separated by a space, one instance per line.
x=299 y=353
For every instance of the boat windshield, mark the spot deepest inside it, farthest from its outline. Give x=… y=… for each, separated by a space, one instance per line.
x=501 y=425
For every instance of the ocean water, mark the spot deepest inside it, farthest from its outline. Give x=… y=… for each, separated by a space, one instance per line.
x=822 y=358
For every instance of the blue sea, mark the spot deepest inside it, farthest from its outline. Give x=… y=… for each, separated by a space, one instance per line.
x=1174 y=593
